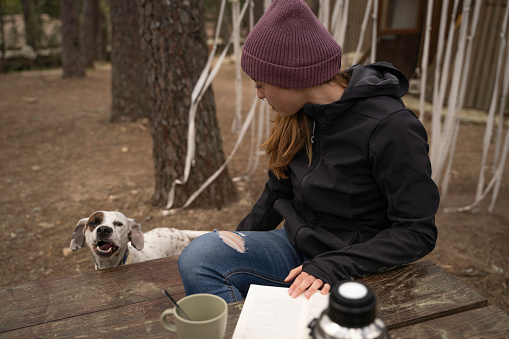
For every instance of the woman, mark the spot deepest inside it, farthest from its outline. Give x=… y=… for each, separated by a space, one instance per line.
x=349 y=171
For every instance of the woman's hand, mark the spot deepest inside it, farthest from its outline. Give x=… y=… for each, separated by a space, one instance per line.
x=305 y=282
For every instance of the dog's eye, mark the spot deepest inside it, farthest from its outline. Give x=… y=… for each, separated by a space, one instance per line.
x=118 y=223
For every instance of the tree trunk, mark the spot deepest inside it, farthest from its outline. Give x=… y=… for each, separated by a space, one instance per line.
x=72 y=63
x=127 y=73
x=104 y=35
x=175 y=52
x=2 y=35
x=90 y=31
x=28 y=16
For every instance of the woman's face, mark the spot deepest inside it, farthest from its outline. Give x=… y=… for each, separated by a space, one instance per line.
x=285 y=101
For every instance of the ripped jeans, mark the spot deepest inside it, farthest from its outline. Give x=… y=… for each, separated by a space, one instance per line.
x=226 y=263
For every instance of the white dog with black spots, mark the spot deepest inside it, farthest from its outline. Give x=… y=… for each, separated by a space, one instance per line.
x=117 y=240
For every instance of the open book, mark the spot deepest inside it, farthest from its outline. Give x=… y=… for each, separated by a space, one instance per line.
x=269 y=312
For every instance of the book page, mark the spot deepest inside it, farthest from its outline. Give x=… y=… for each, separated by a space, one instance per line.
x=269 y=312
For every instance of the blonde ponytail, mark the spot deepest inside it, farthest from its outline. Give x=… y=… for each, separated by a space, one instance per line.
x=288 y=136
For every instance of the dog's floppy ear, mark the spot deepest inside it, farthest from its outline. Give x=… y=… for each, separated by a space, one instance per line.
x=78 y=237
x=136 y=234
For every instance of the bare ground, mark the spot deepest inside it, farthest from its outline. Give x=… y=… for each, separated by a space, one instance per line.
x=63 y=160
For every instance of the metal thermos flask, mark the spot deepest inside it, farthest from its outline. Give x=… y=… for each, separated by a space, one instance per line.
x=351 y=314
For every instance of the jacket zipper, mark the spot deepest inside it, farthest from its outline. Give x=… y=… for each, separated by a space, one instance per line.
x=313 y=133
x=319 y=154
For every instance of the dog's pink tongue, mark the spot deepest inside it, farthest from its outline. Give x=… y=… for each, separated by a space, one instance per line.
x=106 y=246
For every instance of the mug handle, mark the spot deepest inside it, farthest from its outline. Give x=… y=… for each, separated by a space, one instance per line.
x=169 y=326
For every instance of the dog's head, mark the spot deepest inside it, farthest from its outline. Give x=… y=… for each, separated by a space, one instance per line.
x=107 y=234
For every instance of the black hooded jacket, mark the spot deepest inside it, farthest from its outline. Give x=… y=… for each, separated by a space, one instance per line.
x=367 y=203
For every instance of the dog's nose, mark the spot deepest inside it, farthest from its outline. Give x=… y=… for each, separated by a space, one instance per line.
x=104 y=231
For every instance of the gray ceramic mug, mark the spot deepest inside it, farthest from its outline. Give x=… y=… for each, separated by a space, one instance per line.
x=208 y=314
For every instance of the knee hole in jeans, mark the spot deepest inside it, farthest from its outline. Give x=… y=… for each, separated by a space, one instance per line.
x=234 y=240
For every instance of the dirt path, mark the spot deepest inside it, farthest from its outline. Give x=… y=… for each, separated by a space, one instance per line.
x=63 y=160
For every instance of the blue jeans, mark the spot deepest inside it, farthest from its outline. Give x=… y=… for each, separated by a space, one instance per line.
x=226 y=263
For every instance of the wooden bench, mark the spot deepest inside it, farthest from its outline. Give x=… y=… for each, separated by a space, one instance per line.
x=127 y=302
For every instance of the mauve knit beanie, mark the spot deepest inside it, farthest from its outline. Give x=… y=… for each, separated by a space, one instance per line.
x=290 y=48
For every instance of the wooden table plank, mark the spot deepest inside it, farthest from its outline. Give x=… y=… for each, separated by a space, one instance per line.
x=420 y=292
x=139 y=320
x=234 y=310
x=59 y=298
x=487 y=322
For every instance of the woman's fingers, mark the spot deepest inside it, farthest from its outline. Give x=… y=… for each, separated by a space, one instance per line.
x=325 y=289
x=293 y=273
x=315 y=286
x=305 y=282
x=308 y=284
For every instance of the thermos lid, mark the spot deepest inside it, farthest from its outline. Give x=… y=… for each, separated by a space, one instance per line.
x=352 y=304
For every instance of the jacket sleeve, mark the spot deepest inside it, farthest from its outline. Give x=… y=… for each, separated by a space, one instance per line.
x=398 y=152
x=263 y=217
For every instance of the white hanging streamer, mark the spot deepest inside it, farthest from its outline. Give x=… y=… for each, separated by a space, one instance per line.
x=468 y=57
x=501 y=108
x=344 y=23
x=335 y=23
x=451 y=125
x=493 y=103
x=436 y=125
x=363 y=30
x=237 y=120
x=438 y=139
x=469 y=39
x=374 y=35
x=499 y=171
x=323 y=13
x=340 y=21
x=425 y=59
x=201 y=86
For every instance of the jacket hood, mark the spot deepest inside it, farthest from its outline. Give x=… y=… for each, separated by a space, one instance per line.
x=376 y=79
x=380 y=78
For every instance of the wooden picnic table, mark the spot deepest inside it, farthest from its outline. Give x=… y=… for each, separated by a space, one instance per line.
x=419 y=300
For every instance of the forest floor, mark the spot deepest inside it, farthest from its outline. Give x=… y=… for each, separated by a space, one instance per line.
x=61 y=160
